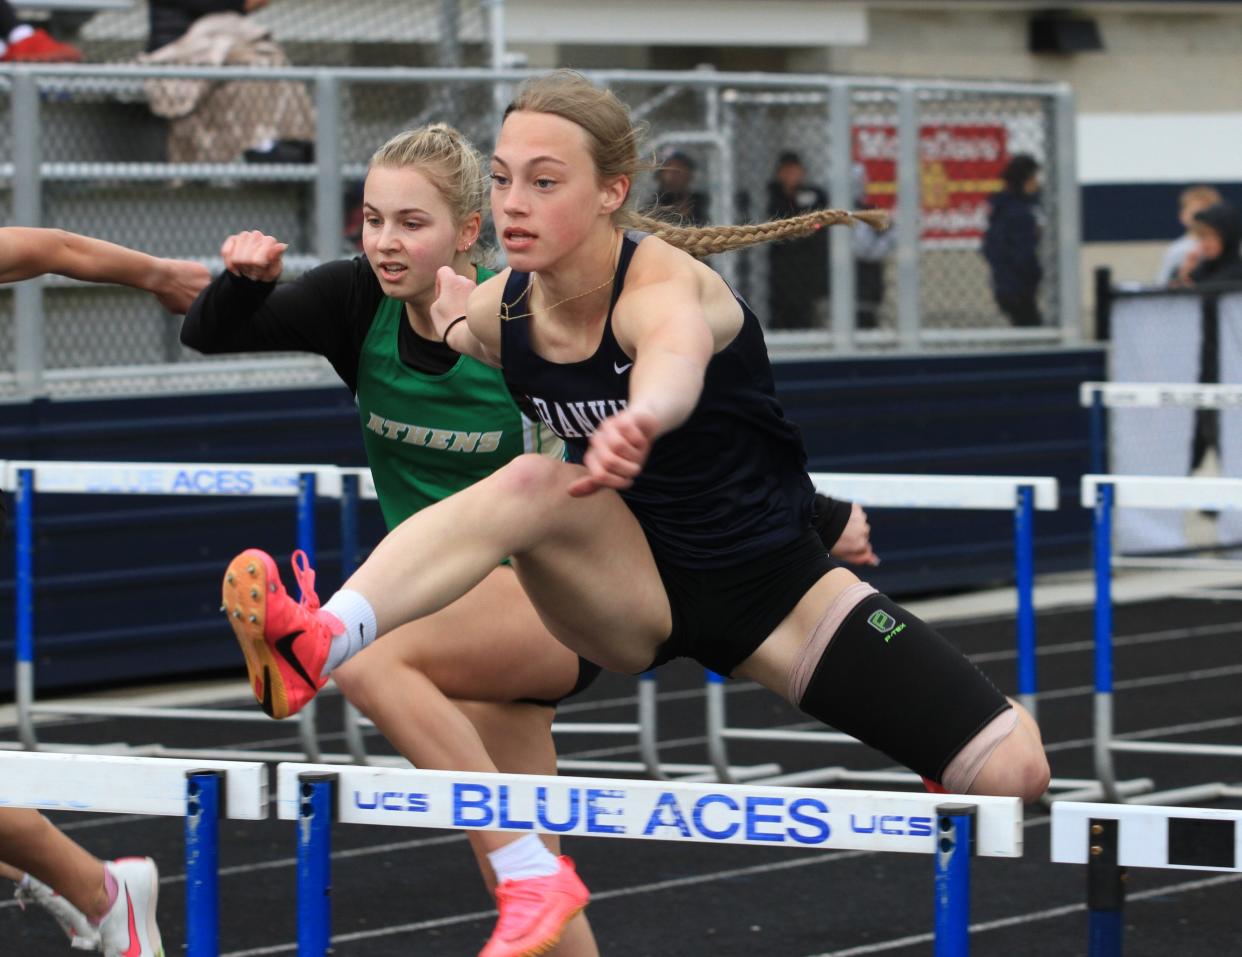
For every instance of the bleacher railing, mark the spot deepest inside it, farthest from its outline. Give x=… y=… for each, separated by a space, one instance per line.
x=74 y=162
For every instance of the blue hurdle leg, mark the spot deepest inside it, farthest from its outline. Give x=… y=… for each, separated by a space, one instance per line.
x=1024 y=564
x=202 y=860
x=315 y=815
x=1106 y=891
x=954 y=848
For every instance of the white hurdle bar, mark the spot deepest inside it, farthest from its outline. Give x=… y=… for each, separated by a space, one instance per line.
x=1110 y=837
x=358 y=485
x=1021 y=494
x=29 y=478
x=1103 y=493
x=202 y=792
x=318 y=795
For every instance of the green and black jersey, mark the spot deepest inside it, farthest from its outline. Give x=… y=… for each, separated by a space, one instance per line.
x=433 y=421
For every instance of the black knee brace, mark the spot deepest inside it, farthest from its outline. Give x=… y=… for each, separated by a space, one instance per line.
x=899 y=686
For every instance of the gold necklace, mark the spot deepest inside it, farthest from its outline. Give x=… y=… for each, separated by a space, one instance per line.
x=530 y=287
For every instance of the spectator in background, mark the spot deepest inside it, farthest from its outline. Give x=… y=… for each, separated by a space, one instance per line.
x=171 y=19
x=1214 y=254
x=871 y=248
x=210 y=122
x=675 y=190
x=1011 y=242
x=1214 y=258
x=22 y=43
x=797 y=269
x=1191 y=201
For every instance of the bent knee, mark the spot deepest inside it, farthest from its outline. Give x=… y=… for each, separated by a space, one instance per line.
x=1018 y=768
x=529 y=477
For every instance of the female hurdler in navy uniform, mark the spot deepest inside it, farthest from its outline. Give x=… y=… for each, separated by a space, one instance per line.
x=686 y=527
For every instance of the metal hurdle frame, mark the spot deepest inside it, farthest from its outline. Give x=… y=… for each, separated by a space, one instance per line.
x=357 y=485
x=1023 y=494
x=203 y=792
x=1103 y=493
x=317 y=796
x=1098 y=396
x=28 y=478
x=1108 y=838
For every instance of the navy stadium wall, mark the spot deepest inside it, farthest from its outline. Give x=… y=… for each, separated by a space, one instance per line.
x=127 y=587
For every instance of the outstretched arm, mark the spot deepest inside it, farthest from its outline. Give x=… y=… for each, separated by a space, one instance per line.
x=29 y=252
x=673 y=342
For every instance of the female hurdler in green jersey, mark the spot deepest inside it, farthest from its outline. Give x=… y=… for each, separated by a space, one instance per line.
x=455 y=691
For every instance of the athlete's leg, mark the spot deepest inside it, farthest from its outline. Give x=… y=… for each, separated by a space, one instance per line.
x=1013 y=763
x=583 y=561
x=33 y=845
x=488 y=645
x=519 y=737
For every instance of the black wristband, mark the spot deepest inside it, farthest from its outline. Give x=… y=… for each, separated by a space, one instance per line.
x=449 y=328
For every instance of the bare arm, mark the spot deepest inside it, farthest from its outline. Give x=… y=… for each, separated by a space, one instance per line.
x=27 y=252
x=668 y=328
x=673 y=343
x=478 y=306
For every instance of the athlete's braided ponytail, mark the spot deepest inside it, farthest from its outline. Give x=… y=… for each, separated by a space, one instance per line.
x=703 y=241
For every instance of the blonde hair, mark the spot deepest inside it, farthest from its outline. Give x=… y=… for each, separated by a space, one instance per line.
x=1199 y=196
x=446 y=158
x=613 y=140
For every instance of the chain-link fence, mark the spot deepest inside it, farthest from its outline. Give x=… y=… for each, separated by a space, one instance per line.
x=82 y=150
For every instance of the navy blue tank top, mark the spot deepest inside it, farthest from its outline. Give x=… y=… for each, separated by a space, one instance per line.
x=727 y=486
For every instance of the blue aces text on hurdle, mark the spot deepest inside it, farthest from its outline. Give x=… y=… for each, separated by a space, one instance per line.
x=667 y=814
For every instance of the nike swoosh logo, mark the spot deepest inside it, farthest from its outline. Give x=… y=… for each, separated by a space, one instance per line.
x=285 y=646
x=618 y=369
x=135 y=945
x=267 y=691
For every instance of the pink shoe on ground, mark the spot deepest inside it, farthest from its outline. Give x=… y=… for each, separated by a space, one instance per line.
x=534 y=912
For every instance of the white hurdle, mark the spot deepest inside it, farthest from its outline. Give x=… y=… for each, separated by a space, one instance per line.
x=318 y=795
x=202 y=792
x=1110 y=837
x=1103 y=493
x=1021 y=494
x=26 y=479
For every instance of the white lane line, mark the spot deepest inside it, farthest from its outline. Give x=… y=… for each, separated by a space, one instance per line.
x=619 y=892
x=1034 y=916
x=1144 y=638
x=244 y=869
x=1153 y=681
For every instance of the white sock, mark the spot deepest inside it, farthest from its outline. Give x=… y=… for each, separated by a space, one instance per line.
x=358 y=617
x=20 y=32
x=524 y=858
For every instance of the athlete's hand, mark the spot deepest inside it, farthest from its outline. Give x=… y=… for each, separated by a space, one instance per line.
x=177 y=283
x=254 y=255
x=854 y=544
x=452 y=297
x=617 y=452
